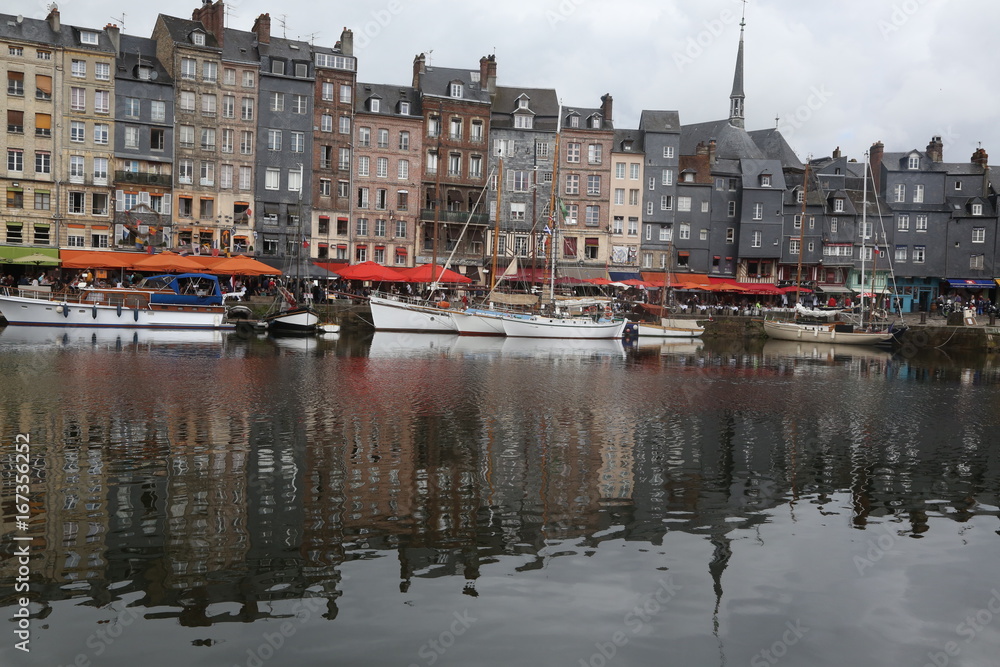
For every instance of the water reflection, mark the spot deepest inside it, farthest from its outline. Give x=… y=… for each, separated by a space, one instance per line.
x=218 y=490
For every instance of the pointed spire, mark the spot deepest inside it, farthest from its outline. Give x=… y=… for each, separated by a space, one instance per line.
x=736 y=98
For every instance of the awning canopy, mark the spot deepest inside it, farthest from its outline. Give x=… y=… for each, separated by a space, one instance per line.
x=40 y=256
x=618 y=276
x=581 y=273
x=100 y=259
x=370 y=271
x=242 y=266
x=426 y=273
x=833 y=289
x=972 y=283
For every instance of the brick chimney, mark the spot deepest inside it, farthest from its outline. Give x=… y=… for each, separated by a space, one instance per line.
x=875 y=160
x=981 y=158
x=262 y=28
x=212 y=16
x=347 y=42
x=836 y=153
x=488 y=73
x=419 y=67
x=711 y=152
x=606 y=107
x=53 y=19
x=935 y=150
x=114 y=34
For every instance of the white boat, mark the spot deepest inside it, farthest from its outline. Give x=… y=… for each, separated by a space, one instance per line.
x=671 y=328
x=829 y=332
x=544 y=326
x=301 y=321
x=184 y=301
x=392 y=313
x=478 y=322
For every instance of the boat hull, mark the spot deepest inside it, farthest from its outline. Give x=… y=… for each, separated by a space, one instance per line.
x=553 y=327
x=671 y=329
x=26 y=311
x=297 y=322
x=392 y=315
x=823 y=332
x=471 y=322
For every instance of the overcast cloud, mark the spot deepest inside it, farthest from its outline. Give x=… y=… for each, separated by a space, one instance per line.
x=834 y=74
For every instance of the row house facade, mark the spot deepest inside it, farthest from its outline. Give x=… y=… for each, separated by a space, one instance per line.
x=333 y=126
x=388 y=161
x=586 y=137
x=143 y=146
x=626 y=206
x=661 y=140
x=523 y=126
x=456 y=111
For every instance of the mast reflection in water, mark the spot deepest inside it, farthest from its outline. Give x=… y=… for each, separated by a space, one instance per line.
x=440 y=500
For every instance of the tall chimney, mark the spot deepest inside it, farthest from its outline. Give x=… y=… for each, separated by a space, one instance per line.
x=836 y=153
x=53 y=19
x=419 y=67
x=212 y=16
x=981 y=158
x=114 y=34
x=347 y=42
x=711 y=151
x=262 y=28
x=488 y=73
x=935 y=150
x=875 y=160
x=606 y=106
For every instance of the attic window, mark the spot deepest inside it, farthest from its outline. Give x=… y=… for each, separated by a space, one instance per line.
x=404 y=108
x=456 y=90
x=595 y=122
x=689 y=178
x=198 y=38
x=87 y=37
x=958 y=185
x=765 y=180
x=977 y=209
x=800 y=195
x=574 y=121
x=277 y=67
x=374 y=104
x=913 y=162
x=523 y=121
x=838 y=205
x=522 y=103
x=145 y=73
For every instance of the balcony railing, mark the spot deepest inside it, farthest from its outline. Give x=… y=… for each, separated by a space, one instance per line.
x=455 y=216
x=143 y=178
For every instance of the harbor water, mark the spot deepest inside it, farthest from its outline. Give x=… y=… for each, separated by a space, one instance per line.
x=213 y=499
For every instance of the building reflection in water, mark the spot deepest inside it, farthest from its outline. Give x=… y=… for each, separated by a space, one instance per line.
x=250 y=480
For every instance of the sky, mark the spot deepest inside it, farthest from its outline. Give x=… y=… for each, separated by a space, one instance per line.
x=832 y=74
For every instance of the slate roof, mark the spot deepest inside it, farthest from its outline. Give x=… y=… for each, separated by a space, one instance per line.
x=135 y=49
x=772 y=143
x=287 y=50
x=960 y=207
x=585 y=114
x=636 y=136
x=731 y=142
x=240 y=46
x=660 y=121
x=436 y=81
x=543 y=103
x=38 y=31
x=180 y=31
x=391 y=96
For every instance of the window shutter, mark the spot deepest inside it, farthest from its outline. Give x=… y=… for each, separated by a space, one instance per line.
x=119 y=200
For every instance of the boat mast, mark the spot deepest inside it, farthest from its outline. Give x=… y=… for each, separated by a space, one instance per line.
x=802 y=234
x=496 y=228
x=437 y=197
x=554 y=216
x=864 y=229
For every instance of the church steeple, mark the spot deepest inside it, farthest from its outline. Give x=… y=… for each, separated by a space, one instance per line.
x=736 y=98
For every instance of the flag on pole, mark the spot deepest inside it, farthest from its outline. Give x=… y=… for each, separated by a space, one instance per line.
x=547 y=230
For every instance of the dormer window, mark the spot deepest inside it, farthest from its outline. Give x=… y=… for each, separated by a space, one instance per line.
x=374 y=105
x=574 y=121
x=913 y=162
x=800 y=196
x=977 y=209
x=958 y=185
x=277 y=67
x=456 y=90
x=198 y=38
x=145 y=73
x=595 y=122
x=688 y=177
x=523 y=121
x=404 y=108
x=88 y=37
x=765 y=180
x=522 y=103
x=838 y=205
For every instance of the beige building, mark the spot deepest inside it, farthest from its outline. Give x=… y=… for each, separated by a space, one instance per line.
x=627 y=157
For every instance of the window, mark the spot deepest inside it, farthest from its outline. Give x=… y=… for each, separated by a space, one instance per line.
x=187 y=100
x=455 y=90
x=668 y=152
x=765 y=182
x=913 y=162
x=758 y=211
x=838 y=205
x=246 y=108
x=383 y=138
x=404 y=141
x=77 y=203
x=345 y=94
x=272 y=178
x=226 y=176
x=918 y=194
x=633 y=197
x=649 y=208
x=476 y=166
x=919 y=252
x=246 y=178
x=185 y=171
x=246 y=142
x=189 y=68
x=382 y=167
x=248 y=79
x=227 y=140
x=100 y=171
x=77 y=99
x=43 y=201
x=295 y=181
x=652 y=182
x=900 y=192
x=619 y=170
x=344 y=159
x=667 y=177
x=921 y=223
x=685 y=231
x=666 y=202
x=572 y=213
x=666 y=232
x=633 y=226
x=361 y=228
x=456 y=129
x=210 y=71
x=572 y=152
x=207 y=173
x=229 y=76
x=703 y=235
x=455 y=164
x=77 y=131
x=572 y=184
x=595 y=153
x=793 y=247
x=185 y=136
x=979 y=235
x=208 y=138
x=364 y=165
x=755 y=240
x=300 y=104
x=900 y=255
x=619 y=196
x=277 y=101
x=797 y=222
x=15 y=198
x=298 y=142
x=977 y=209
x=593 y=215
x=158 y=111
x=43 y=162
x=976 y=261
x=325 y=187
x=834 y=224
x=593 y=184
x=683 y=204
x=228 y=106
x=78 y=69
x=43 y=87
x=362 y=197
x=404 y=108
x=402 y=204
x=730 y=235
x=326 y=123
x=903 y=223
x=277 y=66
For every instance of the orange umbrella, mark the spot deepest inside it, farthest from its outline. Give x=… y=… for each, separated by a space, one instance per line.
x=168 y=261
x=429 y=273
x=242 y=266
x=92 y=259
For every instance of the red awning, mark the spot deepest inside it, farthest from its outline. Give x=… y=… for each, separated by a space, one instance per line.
x=426 y=273
x=369 y=271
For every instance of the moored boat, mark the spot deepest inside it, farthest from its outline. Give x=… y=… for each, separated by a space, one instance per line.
x=543 y=326
x=671 y=328
x=396 y=313
x=831 y=332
